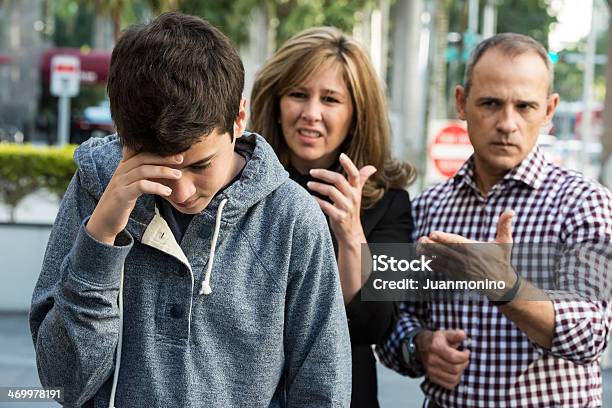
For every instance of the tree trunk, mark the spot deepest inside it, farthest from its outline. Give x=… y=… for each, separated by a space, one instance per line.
x=12 y=213
x=116 y=11
x=101 y=36
x=438 y=102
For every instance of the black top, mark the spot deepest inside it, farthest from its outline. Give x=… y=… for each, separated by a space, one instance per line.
x=389 y=221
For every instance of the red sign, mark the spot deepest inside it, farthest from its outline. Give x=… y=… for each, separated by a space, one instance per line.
x=94 y=64
x=449 y=149
x=64 y=68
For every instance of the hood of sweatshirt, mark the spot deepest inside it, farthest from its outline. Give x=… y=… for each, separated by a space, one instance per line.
x=98 y=158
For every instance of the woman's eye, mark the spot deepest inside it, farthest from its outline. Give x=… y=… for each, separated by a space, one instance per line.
x=297 y=94
x=330 y=99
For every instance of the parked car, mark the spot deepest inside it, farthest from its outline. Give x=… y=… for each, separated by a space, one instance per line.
x=95 y=121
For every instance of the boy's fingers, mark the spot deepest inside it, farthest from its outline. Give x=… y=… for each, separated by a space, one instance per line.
x=149 y=171
x=140 y=187
x=150 y=158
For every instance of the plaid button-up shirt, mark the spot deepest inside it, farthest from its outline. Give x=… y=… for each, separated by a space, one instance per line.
x=552 y=205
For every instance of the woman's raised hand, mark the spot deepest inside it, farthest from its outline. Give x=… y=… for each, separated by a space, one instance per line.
x=344 y=213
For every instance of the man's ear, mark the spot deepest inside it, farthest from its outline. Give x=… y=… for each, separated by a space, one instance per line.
x=460 y=101
x=551 y=106
x=241 y=120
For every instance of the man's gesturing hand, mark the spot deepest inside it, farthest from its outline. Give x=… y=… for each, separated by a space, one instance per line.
x=465 y=259
x=438 y=353
x=136 y=174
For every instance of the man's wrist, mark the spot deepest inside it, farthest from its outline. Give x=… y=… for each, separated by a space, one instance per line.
x=510 y=294
x=410 y=349
x=421 y=341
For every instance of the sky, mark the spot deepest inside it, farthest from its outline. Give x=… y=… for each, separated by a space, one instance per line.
x=574 y=22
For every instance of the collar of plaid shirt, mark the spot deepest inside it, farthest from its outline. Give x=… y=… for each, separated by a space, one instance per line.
x=532 y=171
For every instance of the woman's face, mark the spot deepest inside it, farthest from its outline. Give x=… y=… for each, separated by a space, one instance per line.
x=315 y=118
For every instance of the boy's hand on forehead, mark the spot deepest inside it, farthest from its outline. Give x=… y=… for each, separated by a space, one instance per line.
x=136 y=174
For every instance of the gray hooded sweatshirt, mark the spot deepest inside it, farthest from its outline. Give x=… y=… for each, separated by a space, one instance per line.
x=246 y=311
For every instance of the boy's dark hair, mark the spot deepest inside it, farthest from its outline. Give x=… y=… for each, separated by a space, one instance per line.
x=171 y=82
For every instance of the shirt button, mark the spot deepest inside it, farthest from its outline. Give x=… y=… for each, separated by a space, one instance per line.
x=177 y=311
x=181 y=272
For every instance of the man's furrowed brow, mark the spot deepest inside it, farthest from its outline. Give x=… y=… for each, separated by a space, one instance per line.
x=535 y=104
x=488 y=99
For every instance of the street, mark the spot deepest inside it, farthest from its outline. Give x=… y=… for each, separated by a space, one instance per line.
x=18 y=369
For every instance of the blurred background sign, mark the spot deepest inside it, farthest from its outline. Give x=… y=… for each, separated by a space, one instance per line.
x=449 y=147
x=65 y=80
x=65 y=75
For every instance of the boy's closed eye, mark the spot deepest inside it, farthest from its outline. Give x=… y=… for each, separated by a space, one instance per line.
x=200 y=166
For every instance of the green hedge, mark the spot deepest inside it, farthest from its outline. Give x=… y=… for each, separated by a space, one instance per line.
x=26 y=168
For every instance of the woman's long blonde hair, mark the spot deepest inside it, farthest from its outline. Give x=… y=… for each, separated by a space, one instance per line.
x=369 y=137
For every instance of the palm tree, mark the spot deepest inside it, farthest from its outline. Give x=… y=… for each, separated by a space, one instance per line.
x=104 y=9
x=114 y=9
x=161 y=6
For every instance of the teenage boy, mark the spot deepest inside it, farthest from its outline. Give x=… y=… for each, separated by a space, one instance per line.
x=184 y=268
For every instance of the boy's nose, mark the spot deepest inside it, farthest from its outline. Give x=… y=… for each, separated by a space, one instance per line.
x=182 y=190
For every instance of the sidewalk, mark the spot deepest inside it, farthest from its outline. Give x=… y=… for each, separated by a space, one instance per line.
x=18 y=369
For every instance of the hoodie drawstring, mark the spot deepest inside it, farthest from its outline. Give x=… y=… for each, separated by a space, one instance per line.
x=111 y=401
x=206 y=289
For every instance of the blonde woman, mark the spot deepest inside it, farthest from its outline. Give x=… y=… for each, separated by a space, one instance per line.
x=320 y=104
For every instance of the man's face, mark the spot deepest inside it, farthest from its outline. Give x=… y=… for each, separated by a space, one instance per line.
x=506 y=107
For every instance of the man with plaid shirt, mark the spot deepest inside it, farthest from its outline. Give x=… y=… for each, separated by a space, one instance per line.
x=480 y=353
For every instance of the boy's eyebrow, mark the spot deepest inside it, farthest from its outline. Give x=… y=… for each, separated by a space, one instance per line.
x=201 y=161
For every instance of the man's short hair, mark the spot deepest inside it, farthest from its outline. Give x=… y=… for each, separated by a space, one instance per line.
x=511 y=45
x=171 y=82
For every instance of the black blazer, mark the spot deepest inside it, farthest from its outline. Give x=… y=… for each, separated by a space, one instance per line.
x=390 y=220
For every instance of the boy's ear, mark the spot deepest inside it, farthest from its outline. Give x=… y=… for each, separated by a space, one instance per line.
x=241 y=120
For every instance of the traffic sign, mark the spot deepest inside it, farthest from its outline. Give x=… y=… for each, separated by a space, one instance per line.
x=449 y=148
x=65 y=75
